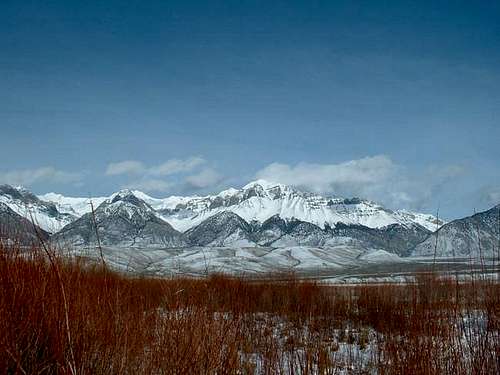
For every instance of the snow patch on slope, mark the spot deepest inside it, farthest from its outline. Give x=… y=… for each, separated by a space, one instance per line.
x=72 y=205
x=381 y=256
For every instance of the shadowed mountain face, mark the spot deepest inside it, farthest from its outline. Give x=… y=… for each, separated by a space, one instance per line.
x=124 y=220
x=228 y=229
x=276 y=232
x=15 y=228
x=223 y=229
x=476 y=235
x=271 y=230
x=397 y=239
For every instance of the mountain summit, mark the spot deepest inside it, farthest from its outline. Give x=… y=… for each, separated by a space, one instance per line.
x=122 y=220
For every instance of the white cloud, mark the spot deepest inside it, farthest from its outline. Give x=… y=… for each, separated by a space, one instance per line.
x=125 y=167
x=354 y=175
x=205 y=178
x=377 y=178
x=490 y=195
x=174 y=166
x=494 y=197
x=170 y=175
x=42 y=174
x=170 y=167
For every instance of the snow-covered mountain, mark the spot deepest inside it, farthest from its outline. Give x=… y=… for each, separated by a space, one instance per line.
x=228 y=229
x=123 y=220
x=259 y=214
x=223 y=229
x=260 y=200
x=44 y=213
x=476 y=235
x=15 y=228
x=76 y=207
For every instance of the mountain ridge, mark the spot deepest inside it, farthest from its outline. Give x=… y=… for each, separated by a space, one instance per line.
x=258 y=201
x=257 y=215
x=16 y=228
x=123 y=220
x=477 y=235
x=26 y=204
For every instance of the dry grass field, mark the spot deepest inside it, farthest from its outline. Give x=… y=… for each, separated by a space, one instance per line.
x=69 y=316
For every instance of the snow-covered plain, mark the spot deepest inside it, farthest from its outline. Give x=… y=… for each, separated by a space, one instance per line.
x=251 y=261
x=341 y=264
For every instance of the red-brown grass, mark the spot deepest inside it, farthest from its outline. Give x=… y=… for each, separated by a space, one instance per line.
x=120 y=324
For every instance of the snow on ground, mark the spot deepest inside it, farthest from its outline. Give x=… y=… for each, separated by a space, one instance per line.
x=239 y=260
x=381 y=256
x=342 y=264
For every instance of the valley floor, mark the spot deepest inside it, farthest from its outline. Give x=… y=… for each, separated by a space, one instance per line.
x=340 y=264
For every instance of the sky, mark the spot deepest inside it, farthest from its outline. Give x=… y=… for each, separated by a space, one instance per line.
x=394 y=101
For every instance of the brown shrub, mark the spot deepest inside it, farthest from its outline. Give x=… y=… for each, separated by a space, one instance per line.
x=120 y=324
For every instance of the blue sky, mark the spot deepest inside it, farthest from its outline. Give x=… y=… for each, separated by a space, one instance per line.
x=394 y=101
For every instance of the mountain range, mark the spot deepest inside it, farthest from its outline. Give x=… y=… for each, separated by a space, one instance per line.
x=261 y=214
x=257 y=201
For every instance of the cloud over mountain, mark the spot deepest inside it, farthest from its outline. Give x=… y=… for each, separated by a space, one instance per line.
x=205 y=178
x=353 y=175
x=125 y=167
x=191 y=173
x=42 y=174
x=378 y=178
x=169 y=167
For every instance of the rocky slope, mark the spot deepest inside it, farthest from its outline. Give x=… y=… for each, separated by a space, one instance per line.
x=476 y=235
x=15 y=228
x=228 y=229
x=124 y=220
x=223 y=229
x=45 y=214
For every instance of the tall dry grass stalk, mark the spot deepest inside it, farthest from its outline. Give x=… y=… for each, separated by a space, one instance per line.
x=119 y=324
